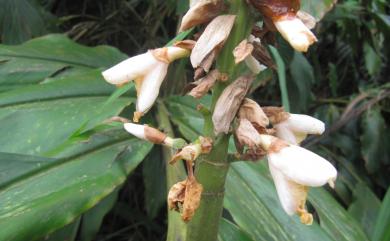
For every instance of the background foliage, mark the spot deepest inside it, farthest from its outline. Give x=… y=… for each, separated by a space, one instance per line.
x=66 y=172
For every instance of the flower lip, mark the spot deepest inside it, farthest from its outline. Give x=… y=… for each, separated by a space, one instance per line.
x=302 y=166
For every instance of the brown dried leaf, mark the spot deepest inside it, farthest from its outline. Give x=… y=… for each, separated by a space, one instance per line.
x=246 y=135
x=252 y=111
x=275 y=114
x=242 y=51
x=203 y=85
x=213 y=37
x=262 y=55
x=201 y=12
x=185 y=44
x=176 y=195
x=229 y=102
x=153 y=135
x=193 y=194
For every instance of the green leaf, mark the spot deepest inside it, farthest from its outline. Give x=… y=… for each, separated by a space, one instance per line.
x=228 y=231
x=54 y=195
x=317 y=9
x=92 y=220
x=365 y=208
x=20 y=20
x=281 y=70
x=252 y=201
x=299 y=88
x=382 y=224
x=375 y=150
x=48 y=56
x=67 y=233
x=334 y=219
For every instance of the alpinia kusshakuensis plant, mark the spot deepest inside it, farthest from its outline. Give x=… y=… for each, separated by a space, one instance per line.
x=258 y=131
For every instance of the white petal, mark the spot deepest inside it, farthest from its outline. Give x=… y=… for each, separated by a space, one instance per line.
x=254 y=65
x=135 y=129
x=303 y=166
x=305 y=124
x=291 y=195
x=130 y=69
x=283 y=132
x=296 y=33
x=151 y=87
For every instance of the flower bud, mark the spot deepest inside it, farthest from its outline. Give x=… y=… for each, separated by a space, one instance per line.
x=145 y=132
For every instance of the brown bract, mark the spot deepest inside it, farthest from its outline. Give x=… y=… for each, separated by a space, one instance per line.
x=187 y=153
x=277 y=145
x=203 y=85
x=229 y=102
x=252 y=111
x=161 y=54
x=247 y=136
x=205 y=65
x=206 y=144
x=274 y=9
x=262 y=55
x=185 y=194
x=153 y=135
x=185 y=44
x=201 y=12
x=243 y=50
x=212 y=38
x=275 y=114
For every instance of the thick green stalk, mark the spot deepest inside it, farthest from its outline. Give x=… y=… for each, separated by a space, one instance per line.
x=211 y=170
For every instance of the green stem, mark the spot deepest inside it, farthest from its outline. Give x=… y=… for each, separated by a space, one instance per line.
x=211 y=170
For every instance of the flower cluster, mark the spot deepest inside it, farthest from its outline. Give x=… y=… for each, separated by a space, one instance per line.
x=258 y=131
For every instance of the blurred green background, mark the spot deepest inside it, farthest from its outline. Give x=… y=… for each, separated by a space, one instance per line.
x=343 y=80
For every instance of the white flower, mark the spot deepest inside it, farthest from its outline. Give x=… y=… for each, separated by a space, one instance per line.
x=295 y=32
x=293 y=170
x=147 y=133
x=295 y=129
x=148 y=71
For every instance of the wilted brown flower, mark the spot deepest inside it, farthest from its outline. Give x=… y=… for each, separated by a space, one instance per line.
x=212 y=38
x=243 y=50
x=275 y=114
x=252 y=111
x=246 y=136
x=186 y=194
x=229 y=102
x=203 y=85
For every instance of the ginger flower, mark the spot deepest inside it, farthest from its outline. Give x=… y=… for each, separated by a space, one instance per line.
x=295 y=169
x=148 y=71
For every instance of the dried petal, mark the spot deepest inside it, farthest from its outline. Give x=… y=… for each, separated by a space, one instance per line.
x=201 y=12
x=229 y=103
x=176 y=195
x=204 y=84
x=275 y=114
x=213 y=37
x=243 y=50
x=193 y=194
x=307 y=19
x=251 y=111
